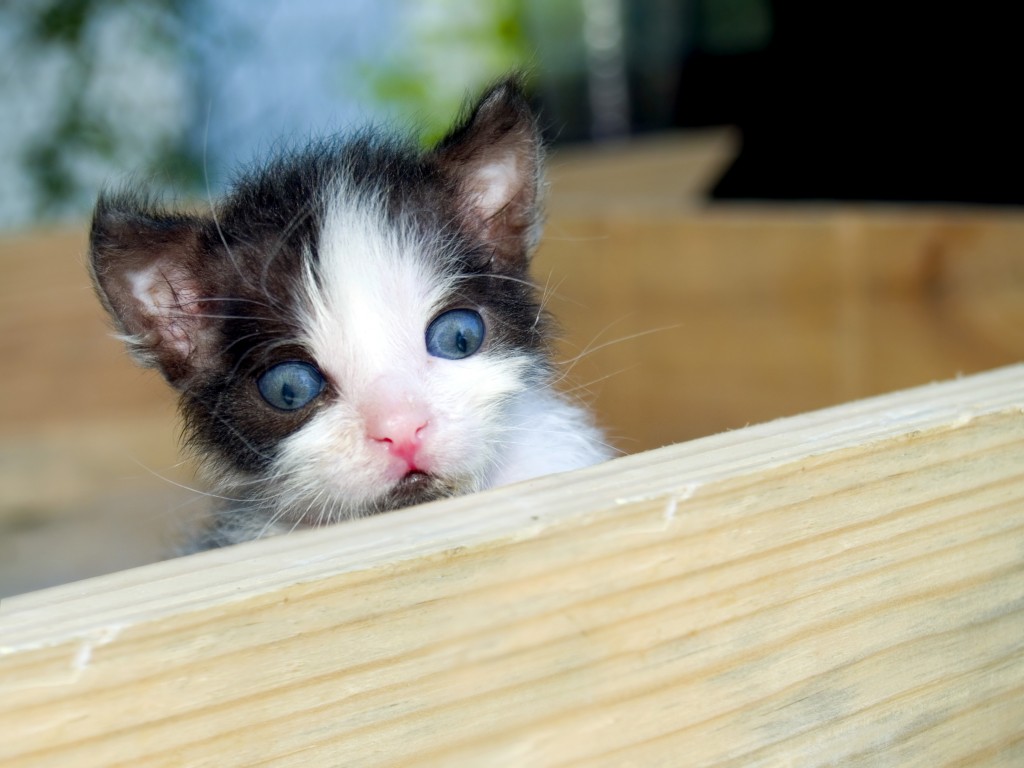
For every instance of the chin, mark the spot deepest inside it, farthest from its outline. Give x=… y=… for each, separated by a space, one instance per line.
x=415 y=488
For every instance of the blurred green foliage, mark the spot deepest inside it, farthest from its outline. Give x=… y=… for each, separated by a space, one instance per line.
x=108 y=86
x=81 y=130
x=458 y=46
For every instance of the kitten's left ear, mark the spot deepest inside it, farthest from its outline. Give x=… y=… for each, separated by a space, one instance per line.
x=149 y=271
x=493 y=158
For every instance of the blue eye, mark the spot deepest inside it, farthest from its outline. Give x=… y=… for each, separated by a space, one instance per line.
x=291 y=385
x=455 y=334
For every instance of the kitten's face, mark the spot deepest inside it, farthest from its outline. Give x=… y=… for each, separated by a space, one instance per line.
x=407 y=347
x=349 y=328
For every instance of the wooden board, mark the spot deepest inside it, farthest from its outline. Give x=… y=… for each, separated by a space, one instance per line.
x=843 y=587
x=735 y=315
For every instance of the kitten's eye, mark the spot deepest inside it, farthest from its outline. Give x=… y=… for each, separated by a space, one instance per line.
x=455 y=334
x=291 y=385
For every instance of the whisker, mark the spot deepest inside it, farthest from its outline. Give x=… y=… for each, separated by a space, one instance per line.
x=183 y=486
x=585 y=386
x=592 y=348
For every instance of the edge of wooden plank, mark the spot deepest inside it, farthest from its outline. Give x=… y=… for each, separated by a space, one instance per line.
x=96 y=610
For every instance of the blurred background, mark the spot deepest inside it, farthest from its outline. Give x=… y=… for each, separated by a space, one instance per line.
x=839 y=100
x=184 y=91
x=757 y=208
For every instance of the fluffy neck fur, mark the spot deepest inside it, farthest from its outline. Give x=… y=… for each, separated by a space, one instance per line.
x=341 y=259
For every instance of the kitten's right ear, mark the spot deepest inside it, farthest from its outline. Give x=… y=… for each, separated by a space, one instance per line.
x=493 y=159
x=146 y=265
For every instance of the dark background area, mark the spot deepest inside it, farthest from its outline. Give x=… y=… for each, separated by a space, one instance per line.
x=867 y=101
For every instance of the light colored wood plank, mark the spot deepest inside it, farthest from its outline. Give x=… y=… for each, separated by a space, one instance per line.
x=662 y=172
x=736 y=315
x=842 y=587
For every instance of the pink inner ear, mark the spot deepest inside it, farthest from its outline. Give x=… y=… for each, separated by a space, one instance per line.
x=494 y=185
x=169 y=305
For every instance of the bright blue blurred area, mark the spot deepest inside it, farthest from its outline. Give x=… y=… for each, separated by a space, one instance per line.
x=286 y=72
x=180 y=93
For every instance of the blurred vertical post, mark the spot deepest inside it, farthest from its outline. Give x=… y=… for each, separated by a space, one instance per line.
x=604 y=43
x=607 y=68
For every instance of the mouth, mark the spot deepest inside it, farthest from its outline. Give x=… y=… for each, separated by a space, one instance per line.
x=415 y=487
x=414 y=481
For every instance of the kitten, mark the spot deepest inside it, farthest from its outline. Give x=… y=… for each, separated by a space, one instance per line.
x=352 y=329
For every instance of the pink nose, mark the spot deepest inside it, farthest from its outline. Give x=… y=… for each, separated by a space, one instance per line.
x=404 y=445
x=401 y=429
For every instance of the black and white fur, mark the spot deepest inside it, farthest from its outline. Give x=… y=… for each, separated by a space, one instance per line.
x=340 y=256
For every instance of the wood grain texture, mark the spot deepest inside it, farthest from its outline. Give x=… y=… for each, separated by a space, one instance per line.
x=734 y=315
x=842 y=587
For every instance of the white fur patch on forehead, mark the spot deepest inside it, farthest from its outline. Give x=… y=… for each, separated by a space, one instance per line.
x=375 y=287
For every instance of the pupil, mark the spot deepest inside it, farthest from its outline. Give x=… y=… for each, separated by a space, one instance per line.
x=287 y=394
x=460 y=342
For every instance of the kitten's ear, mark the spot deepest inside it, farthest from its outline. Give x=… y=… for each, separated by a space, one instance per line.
x=494 y=158
x=146 y=266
